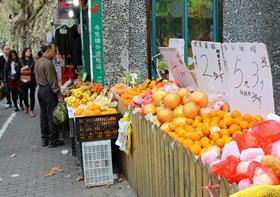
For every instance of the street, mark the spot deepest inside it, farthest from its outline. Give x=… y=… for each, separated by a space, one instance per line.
x=24 y=163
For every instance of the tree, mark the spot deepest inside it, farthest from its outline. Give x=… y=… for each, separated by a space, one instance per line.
x=25 y=22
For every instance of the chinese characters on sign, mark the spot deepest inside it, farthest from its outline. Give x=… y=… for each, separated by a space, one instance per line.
x=250 y=80
x=96 y=42
x=177 y=67
x=210 y=69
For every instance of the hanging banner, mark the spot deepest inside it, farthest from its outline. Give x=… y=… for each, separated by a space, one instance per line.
x=250 y=87
x=85 y=39
x=96 y=41
x=211 y=72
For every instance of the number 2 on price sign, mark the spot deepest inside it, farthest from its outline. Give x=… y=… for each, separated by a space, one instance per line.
x=206 y=66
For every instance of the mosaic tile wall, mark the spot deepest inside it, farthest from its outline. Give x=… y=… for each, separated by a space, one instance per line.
x=115 y=36
x=138 y=36
x=256 y=21
x=128 y=44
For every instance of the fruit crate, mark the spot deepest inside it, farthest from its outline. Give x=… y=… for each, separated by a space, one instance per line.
x=97 y=127
x=97 y=163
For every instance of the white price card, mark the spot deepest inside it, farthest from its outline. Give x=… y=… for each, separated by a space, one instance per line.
x=211 y=73
x=250 y=87
x=177 y=67
x=179 y=44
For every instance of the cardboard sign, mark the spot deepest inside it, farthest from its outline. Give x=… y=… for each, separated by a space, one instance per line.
x=177 y=67
x=250 y=87
x=211 y=73
x=179 y=44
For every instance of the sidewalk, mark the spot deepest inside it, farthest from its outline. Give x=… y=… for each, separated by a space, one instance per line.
x=23 y=175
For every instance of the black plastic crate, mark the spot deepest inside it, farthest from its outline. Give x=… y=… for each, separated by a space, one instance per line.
x=97 y=127
x=72 y=127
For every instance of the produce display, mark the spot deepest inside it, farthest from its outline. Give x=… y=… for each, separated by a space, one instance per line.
x=89 y=99
x=243 y=148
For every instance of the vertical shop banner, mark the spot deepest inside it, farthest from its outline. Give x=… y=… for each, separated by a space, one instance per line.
x=85 y=39
x=211 y=72
x=96 y=41
x=177 y=67
x=250 y=87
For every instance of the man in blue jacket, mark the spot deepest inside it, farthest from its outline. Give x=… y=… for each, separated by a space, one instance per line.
x=3 y=60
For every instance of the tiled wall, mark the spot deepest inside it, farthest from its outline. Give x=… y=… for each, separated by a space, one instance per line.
x=124 y=37
x=256 y=21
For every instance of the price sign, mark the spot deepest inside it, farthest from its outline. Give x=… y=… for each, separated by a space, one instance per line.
x=250 y=87
x=211 y=73
x=179 y=44
x=177 y=67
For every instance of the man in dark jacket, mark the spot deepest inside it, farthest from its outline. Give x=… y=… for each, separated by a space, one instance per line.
x=3 y=60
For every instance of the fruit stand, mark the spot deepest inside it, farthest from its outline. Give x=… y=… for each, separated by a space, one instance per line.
x=178 y=141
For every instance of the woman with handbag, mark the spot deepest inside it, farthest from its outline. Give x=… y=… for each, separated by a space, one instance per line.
x=12 y=76
x=28 y=82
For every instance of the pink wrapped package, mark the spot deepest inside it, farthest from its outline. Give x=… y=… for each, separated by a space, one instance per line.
x=209 y=158
x=276 y=149
x=230 y=149
x=244 y=184
x=252 y=154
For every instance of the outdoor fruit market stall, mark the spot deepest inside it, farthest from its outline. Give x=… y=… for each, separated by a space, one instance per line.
x=178 y=140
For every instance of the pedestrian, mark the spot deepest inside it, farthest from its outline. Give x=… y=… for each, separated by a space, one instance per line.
x=3 y=61
x=12 y=76
x=28 y=83
x=48 y=95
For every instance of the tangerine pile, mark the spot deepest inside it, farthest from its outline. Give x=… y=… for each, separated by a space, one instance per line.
x=96 y=88
x=213 y=129
x=146 y=87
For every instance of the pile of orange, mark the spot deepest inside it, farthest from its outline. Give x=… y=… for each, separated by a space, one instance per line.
x=213 y=129
x=96 y=88
x=147 y=86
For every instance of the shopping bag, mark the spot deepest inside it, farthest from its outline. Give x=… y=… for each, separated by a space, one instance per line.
x=2 y=92
x=60 y=113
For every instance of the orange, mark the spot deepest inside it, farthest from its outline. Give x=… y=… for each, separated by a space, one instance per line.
x=225 y=132
x=233 y=128
x=215 y=136
x=195 y=123
x=188 y=135
x=244 y=124
x=180 y=132
x=189 y=121
x=189 y=128
x=181 y=140
x=213 y=123
x=196 y=136
x=205 y=116
x=213 y=113
x=187 y=143
x=206 y=131
x=258 y=118
x=172 y=126
x=228 y=121
x=223 y=124
x=197 y=142
x=228 y=140
x=235 y=114
x=247 y=117
x=206 y=120
x=220 y=142
x=198 y=118
x=199 y=126
x=220 y=114
x=204 y=141
x=195 y=149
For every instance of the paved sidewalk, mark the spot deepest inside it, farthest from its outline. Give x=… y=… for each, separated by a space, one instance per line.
x=22 y=175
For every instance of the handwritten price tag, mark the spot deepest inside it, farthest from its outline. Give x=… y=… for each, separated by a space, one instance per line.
x=211 y=73
x=250 y=80
x=177 y=67
x=179 y=44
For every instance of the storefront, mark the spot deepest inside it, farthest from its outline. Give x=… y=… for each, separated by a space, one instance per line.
x=187 y=19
